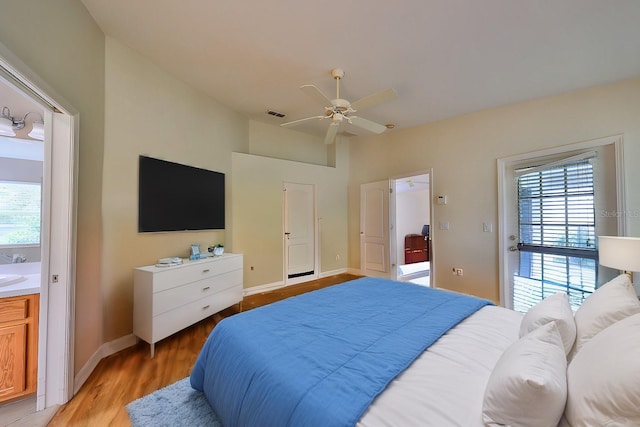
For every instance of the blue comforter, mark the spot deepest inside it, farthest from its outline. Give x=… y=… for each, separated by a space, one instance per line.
x=319 y=359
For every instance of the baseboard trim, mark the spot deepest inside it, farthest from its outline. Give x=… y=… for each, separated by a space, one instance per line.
x=106 y=349
x=279 y=285
x=262 y=288
x=333 y=272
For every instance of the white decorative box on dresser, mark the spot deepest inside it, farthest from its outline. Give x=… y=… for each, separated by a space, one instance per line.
x=168 y=299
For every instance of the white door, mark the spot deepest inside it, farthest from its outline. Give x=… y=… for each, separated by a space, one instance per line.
x=374 y=229
x=299 y=233
x=550 y=217
x=510 y=240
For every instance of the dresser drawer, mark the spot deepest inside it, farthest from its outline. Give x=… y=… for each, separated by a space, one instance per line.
x=175 y=320
x=14 y=309
x=195 y=271
x=180 y=295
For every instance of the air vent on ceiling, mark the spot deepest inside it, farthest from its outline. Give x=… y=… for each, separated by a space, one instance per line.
x=275 y=113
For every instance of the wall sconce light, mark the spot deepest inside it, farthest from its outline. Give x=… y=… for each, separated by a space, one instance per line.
x=622 y=253
x=37 y=130
x=10 y=124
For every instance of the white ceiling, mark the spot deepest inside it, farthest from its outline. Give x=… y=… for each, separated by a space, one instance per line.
x=445 y=58
x=413 y=183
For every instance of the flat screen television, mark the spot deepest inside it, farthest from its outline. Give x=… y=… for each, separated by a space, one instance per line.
x=177 y=197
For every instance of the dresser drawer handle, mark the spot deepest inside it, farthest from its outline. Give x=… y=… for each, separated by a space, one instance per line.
x=206 y=288
x=205 y=271
x=206 y=307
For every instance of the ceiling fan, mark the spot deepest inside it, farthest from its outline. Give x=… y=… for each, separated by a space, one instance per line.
x=339 y=110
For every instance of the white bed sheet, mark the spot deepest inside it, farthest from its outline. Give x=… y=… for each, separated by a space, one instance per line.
x=445 y=386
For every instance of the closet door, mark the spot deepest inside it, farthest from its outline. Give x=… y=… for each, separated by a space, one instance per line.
x=299 y=232
x=374 y=229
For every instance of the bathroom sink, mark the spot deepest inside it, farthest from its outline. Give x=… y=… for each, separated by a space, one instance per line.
x=10 y=279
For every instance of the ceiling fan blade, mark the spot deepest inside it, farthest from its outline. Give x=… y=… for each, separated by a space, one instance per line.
x=367 y=124
x=297 y=122
x=374 y=99
x=315 y=93
x=331 y=133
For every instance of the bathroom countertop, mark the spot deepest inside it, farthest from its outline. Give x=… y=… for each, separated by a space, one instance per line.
x=31 y=273
x=31 y=285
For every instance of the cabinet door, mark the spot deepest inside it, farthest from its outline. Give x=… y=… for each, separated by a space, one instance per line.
x=13 y=343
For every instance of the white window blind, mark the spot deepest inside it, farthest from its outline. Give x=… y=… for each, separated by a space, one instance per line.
x=556 y=216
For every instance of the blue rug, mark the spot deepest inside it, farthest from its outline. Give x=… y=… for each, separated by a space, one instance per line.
x=175 y=405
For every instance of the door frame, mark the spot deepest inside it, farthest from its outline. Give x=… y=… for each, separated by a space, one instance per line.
x=391 y=238
x=392 y=224
x=58 y=235
x=503 y=165
x=316 y=256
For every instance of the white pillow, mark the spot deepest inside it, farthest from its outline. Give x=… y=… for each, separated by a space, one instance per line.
x=554 y=308
x=604 y=378
x=611 y=302
x=528 y=385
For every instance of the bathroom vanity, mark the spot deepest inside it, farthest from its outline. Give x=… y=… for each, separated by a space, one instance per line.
x=19 y=310
x=19 y=341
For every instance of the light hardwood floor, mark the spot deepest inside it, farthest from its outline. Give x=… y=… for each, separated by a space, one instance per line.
x=131 y=373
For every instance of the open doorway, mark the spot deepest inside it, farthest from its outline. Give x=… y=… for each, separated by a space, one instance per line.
x=412 y=232
x=22 y=156
x=53 y=254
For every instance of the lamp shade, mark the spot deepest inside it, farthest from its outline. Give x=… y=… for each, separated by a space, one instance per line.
x=37 y=131
x=622 y=253
x=6 y=127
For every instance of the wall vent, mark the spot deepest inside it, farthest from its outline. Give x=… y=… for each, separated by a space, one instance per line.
x=275 y=113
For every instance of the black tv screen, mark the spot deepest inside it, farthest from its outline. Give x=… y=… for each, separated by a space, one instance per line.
x=177 y=197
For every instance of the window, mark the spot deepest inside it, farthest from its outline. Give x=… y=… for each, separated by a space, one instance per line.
x=556 y=219
x=20 y=213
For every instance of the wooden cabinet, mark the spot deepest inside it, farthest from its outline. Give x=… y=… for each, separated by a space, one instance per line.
x=18 y=346
x=416 y=248
x=168 y=299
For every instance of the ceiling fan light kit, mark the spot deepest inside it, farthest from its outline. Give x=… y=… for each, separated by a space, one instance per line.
x=9 y=124
x=339 y=110
x=6 y=126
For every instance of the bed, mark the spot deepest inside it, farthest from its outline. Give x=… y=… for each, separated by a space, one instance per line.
x=375 y=352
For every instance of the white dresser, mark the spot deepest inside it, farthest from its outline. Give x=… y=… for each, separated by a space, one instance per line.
x=168 y=299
